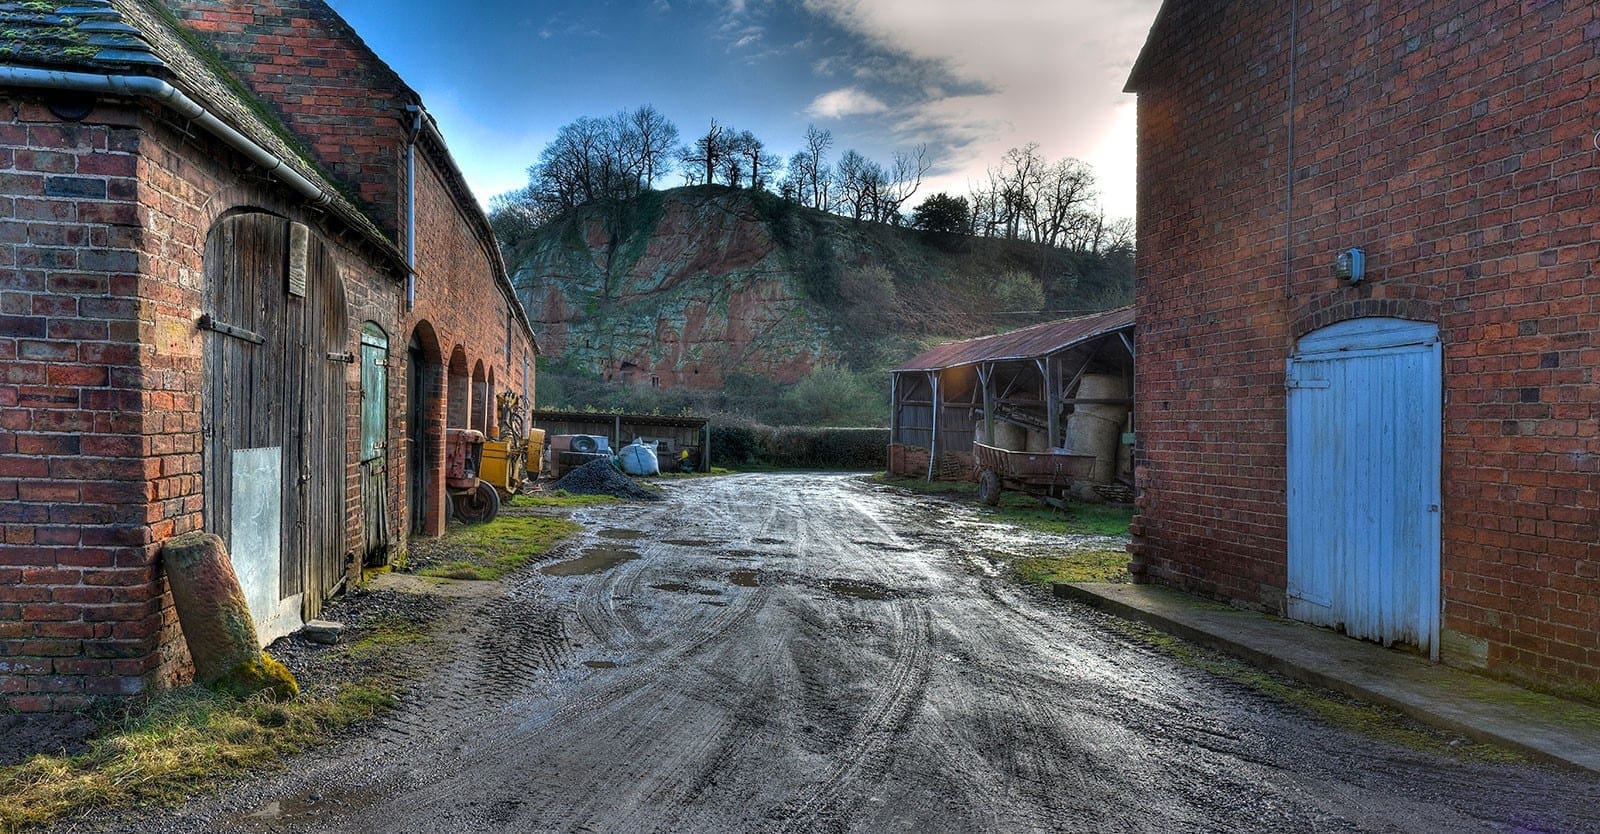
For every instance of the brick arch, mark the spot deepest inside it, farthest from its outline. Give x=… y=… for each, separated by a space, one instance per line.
x=1411 y=309
x=492 y=406
x=458 y=389
x=425 y=424
x=233 y=198
x=480 y=394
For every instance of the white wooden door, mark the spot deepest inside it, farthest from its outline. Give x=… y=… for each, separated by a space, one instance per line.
x=1364 y=436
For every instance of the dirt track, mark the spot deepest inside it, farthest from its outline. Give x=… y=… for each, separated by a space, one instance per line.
x=813 y=653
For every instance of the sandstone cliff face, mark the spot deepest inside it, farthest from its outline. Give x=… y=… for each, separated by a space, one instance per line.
x=680 y=289
x=687 y=287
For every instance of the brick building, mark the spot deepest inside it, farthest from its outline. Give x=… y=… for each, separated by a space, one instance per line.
x=1409 y=454
x=243 y=288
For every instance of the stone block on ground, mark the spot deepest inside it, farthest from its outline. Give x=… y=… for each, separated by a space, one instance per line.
x=216 y=619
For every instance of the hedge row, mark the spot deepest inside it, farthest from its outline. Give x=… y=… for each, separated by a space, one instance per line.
x=798 y=447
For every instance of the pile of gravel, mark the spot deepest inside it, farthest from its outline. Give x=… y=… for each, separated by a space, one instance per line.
x=599 y=477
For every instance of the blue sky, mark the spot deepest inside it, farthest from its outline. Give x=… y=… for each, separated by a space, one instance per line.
x=970 y=78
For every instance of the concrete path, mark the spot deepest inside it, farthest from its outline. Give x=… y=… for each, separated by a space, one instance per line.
x=1489 y=710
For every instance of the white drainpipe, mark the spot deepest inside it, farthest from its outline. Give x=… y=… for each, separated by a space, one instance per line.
x=154 y=88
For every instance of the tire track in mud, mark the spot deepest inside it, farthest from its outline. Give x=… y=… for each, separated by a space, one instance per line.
x=866 y=670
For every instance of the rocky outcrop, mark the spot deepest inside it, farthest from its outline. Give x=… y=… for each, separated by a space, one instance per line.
x=687 y=287
x=682 y=288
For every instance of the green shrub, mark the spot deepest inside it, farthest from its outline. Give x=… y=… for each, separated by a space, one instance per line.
x=798 y=447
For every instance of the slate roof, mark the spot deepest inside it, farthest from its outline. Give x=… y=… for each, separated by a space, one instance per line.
x=141 y=37
x=1026 y=343
x=89 y=33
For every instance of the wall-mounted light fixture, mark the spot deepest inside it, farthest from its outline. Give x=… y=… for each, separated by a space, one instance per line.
x=1351 y=266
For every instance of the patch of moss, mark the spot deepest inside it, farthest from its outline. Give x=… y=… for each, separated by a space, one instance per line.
x=259 y=674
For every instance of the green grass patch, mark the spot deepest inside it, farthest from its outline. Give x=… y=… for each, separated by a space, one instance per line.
x=562 y=498
x=385 y=633
x=1076 y=566
x=175 y=745
x=1019 y=508
x=491 y=550
x=715 y=470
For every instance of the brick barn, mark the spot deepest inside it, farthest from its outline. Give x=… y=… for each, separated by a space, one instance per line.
x=243 y=288
x=1409 y=452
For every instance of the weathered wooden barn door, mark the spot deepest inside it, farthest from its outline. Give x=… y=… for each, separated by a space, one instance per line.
x=374 y=444
x=1364 y=440
x=272 y=414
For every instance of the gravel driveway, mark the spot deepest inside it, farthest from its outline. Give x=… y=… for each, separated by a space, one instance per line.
x=786 y=652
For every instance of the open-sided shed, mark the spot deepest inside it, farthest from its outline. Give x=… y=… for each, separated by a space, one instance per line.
x=1026 y=390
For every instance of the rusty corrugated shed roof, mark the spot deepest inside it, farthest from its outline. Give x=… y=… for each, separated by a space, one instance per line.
x=1027 y=343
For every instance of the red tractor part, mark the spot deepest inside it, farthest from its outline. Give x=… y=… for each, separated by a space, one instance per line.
x=474 y=501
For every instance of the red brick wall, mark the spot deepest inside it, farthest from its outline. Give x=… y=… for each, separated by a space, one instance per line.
x=308 y=65
x=77 y=607
x=463 y=306
x=102 y=236
x=1454 y=142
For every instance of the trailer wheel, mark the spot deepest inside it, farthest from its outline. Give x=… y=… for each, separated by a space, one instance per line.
x=989 y=487
x=478 y=505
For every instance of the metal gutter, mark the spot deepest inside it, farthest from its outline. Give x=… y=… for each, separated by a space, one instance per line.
x=145 y=86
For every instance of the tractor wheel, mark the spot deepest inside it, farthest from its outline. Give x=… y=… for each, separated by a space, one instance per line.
x=477 y=506
x=989 y=487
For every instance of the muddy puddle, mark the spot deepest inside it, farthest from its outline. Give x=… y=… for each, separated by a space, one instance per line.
x=690 y=542
x=883 y=546
x=742 y=555
x=621 y=533
x=855 y=589
x=593 y=560
x=681 y=588
x=600 y=664
x=764 y=540
x=744 y=578
x=717 y=603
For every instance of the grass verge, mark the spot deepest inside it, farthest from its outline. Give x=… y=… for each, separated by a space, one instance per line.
x=1369 y=720
x=1077 y=566
x=489 y=551
x=175 y=744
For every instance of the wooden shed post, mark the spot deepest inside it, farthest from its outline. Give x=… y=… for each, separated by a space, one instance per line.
x=986 y=383
x=894 y=408
x=933 y=434
x=1052 y=400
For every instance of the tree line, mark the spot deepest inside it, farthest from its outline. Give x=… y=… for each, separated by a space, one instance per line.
x=593 y=159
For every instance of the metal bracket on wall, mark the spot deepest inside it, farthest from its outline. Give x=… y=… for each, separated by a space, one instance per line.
x=345 y=357
x=206 y=322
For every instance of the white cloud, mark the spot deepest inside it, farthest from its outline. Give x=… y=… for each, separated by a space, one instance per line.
x=845 y=101
x=1046 y=72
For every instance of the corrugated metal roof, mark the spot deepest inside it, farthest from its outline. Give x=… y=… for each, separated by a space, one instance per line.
x=1027 y=343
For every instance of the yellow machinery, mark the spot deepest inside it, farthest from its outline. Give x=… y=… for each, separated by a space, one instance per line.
x=506 y=460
